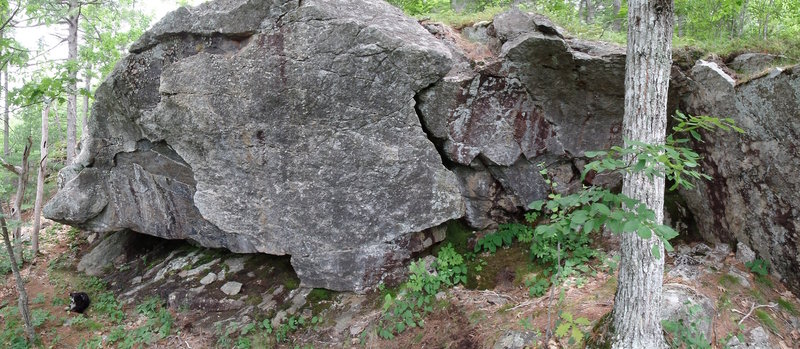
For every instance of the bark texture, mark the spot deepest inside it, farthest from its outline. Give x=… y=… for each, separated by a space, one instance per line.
x=88 y=87
x=23 y=296
x=72 y=88
x=37 y=207
x=637 y=306
x=6 y=149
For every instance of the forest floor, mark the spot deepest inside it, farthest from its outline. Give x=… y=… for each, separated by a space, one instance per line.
x=159 y=294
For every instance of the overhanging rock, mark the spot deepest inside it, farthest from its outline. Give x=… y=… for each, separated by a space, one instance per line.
x=280 y=127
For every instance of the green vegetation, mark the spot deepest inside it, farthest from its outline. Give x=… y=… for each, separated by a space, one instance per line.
x=682 y=335
x=765 y=319
x=787 y=306
x=416 y=297
x=722 y=27
x=569 y=326
x=758 y=266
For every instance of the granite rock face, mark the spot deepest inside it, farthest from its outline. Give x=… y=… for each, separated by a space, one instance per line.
x=280 y=127
x=753 y=195
x=537 y=99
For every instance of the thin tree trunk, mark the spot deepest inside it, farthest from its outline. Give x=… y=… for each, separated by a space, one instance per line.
x=766 y=19
x=23 y=296
x=37 y=207
x=72 y=85
x=617 y=24
x=16 y=208
x=589 y=11
x=637 y=305
x=742 y=18
x=88 y=86
x=6 y=149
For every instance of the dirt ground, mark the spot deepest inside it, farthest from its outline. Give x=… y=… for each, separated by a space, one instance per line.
x=495 y=305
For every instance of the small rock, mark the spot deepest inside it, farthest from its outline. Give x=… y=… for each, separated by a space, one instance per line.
x=221 y=275
x=235 y=265
x=90 y=239
x=739 y=276
x=136 y=280
x=677 y=300
x=279 y=317
x=251 y=274
x=515 y=340
x=211 y=277
x=231 y=288
x=744 y=253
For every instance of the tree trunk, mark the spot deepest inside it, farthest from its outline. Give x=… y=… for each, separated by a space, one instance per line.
x=72 y=85
x=16 y=208
x=766 y=19
x=637 y=305
x=23 y=296
x=37 y=206
x=742 y=18
x=589 y=11
x=88 y=86
x=6 y=149
x=617 y=24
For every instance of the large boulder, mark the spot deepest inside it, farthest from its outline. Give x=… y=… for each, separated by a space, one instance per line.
x=755 y=187
x=537 y=99
x=280 y=127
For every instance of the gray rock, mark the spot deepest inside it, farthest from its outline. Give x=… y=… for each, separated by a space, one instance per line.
x=209 y=278
x=231 y=288
x=235 y=265
x=743 y=253
x=755 y=186
x=103 y=255
x=677 y=303
x=758 y=339
x=272 y=127
x=545 y=100
x=754 y=62
x=740 y=276
x=515 y=340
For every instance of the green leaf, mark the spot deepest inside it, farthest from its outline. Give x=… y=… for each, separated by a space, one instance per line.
x=562 y=329
x=656 y=251
x=566 y=316
x=577 y=335
x=644 y=232
x=588 y=226
x=631 y=226
x=601 y=208
x=536 y=205
x=582 y=321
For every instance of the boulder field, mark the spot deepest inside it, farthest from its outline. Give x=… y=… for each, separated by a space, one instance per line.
x=346 y=135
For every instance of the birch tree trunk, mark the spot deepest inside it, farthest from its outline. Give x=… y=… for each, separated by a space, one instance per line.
x=6 y=149
x=637 y=305
x=87 y=86
x=24 y=312
x=16 y=206
x=72 y=85
x=37 y=206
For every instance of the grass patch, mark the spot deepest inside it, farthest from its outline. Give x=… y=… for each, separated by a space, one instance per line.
x=787 y=306
x=765 y=319
x=319 y=295
x=728 y=280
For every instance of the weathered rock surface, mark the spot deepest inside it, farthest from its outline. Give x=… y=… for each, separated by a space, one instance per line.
x=539 y=99
x=103 y=255
x=274 y=127
x=752 y=197
x=683 y=303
